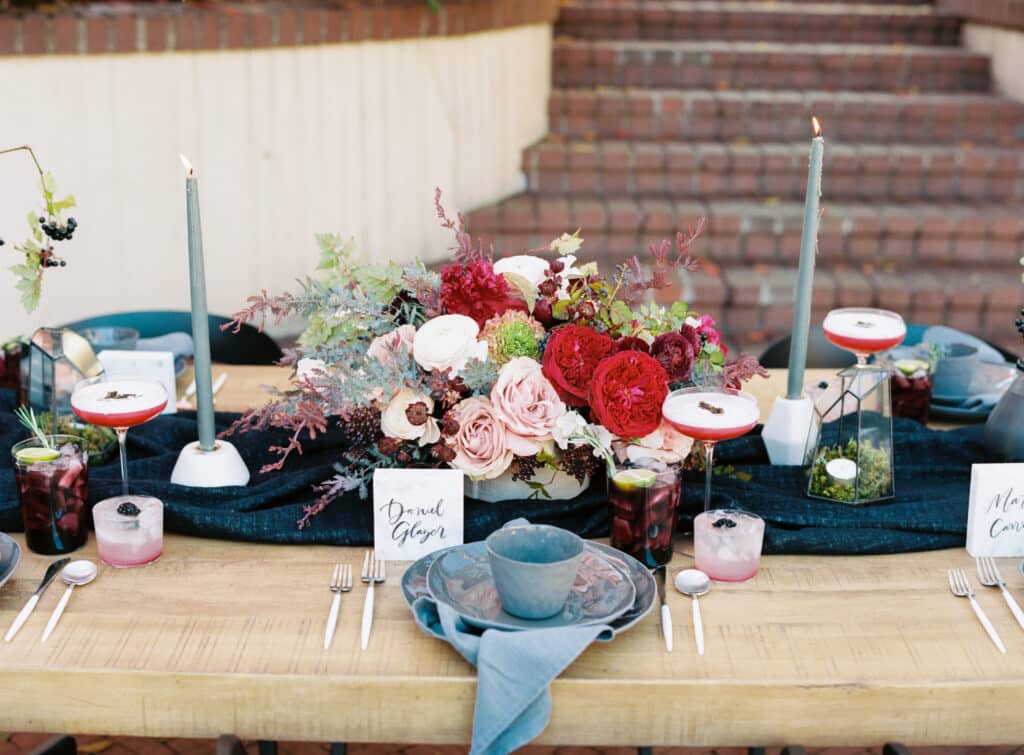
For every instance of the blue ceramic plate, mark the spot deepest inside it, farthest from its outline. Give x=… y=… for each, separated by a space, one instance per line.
x=460 y=578
x=10 y=555
x=414 y=582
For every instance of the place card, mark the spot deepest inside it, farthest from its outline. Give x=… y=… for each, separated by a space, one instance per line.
x=416 y=512
x=995 y=517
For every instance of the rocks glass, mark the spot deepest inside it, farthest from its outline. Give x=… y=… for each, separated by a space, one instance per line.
x=643 y=498
x=52 y=489
x=727 y=544
x=129 y=530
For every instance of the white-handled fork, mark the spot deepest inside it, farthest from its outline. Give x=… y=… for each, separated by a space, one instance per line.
x=341 y=581
x=989 y=575
x=373 y=572
x=961 y=587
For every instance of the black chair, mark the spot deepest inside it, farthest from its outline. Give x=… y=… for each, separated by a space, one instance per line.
x=821 y=353
x=248 y=346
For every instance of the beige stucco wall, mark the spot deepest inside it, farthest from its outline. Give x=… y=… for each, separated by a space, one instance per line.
x=286 y=142
x=1006 y=49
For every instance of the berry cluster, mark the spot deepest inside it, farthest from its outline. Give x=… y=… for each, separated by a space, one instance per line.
x=128 y=509
x=59 y=232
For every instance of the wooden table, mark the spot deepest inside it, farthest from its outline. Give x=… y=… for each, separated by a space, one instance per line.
x=222 y=637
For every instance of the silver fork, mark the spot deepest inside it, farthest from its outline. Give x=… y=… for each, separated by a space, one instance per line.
x=373 y=572
x=961 y=587
x=988 y=575
x=341 y=581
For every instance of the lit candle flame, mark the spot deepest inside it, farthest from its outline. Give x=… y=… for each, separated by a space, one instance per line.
x=187 y=164
x=817 y=126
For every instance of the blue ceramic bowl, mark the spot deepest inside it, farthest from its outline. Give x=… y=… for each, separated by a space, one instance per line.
x=534 y=567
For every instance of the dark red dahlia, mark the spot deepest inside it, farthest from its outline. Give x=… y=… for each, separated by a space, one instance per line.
x=632 y=343
x=475 y=290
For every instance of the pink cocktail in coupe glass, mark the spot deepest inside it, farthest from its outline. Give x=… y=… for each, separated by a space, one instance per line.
x=710 y=415
x=864 y=331
x=118 y=404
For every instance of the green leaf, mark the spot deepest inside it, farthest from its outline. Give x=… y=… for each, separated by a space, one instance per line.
x=382 y=282
x=524 y=287
x=680 y=309
x=33 y=224
x=64 y=204
x=621 y=313
x=561 y=309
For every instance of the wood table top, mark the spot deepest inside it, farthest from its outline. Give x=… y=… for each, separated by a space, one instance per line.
x=222 y=637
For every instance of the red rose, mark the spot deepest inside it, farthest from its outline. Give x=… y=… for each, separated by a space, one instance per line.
x=627 y=393
x=675 y=353
x=476 y=291
x=570 y=357
x=632 y=343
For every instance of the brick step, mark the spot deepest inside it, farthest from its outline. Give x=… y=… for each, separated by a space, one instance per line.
x=768 y=65
x=695 y=115
x=847 y=3
x=861 y=236
x=758 y=21
x=755 y=304
x=717 y=171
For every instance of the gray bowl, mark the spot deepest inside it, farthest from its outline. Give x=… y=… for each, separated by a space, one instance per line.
x=534 y=567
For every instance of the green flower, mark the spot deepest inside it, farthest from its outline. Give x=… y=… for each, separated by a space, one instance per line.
x=513 y=334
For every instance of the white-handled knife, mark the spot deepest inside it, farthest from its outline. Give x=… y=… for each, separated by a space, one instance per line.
x=666 y=614
x=51 y=572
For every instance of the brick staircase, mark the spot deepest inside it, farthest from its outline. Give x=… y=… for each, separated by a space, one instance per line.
x=663 y=111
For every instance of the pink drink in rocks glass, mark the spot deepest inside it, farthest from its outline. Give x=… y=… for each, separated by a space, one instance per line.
x=727 y=544
x=129 y=530
x=643 y=498
x=52 y=491
x=710 y=415
x=118 y=404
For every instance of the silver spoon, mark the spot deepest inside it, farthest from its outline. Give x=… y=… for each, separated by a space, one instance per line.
x=74 y=574
x=694 y=583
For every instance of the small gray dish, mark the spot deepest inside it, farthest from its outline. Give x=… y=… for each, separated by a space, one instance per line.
x=10 y=555
x=460 y=578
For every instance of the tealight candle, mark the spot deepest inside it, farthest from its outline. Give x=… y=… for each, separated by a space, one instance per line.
x=842 y=471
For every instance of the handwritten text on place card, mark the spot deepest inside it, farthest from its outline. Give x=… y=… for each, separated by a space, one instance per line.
x=416 y=512
x=995 y=519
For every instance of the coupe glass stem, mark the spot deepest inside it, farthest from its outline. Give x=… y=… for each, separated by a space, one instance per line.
x=862 y=360
x=122 y=435
x=709 y=455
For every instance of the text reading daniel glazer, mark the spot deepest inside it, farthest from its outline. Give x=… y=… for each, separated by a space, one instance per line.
x=403 y=528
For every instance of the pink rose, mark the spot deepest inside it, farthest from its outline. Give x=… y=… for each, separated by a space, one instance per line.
x=666 y=444
x=527 y=403
x=481 y=444
x=392 y=346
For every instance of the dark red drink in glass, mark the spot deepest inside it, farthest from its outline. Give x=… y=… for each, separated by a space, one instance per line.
x=643 y=499
x=52 y=488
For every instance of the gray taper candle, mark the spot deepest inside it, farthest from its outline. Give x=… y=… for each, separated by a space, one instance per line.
x=200 y=318
x=805 y=277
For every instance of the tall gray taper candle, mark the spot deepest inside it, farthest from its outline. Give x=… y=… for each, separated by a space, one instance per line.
x=805 y=277
x=200 y=319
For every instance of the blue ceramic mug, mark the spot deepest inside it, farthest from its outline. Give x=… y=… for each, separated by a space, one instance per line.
x=534 y=567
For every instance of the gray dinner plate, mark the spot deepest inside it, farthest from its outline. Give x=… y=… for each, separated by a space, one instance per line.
x=414 y=582
x=10 y=555
x=461 y=579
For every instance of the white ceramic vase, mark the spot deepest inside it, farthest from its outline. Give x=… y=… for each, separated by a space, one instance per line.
x=558 y=485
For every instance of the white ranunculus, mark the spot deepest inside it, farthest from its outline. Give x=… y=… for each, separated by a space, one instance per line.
x=448 y=342
x=395 y=424
x=526 y=265
x=568 y=426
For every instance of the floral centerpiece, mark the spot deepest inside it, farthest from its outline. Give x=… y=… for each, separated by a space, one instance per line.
x=517 y=367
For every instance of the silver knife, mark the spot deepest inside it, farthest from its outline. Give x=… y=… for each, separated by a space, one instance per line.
x=666 y=615
x=51 y=572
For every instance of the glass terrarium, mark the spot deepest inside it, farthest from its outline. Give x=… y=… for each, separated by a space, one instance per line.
x=853 y=459
x=54 y=361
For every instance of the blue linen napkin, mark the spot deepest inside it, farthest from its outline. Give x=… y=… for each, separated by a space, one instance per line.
x=514 y=672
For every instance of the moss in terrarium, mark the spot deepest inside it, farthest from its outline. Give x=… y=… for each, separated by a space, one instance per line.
x=875 y=474
x=99 y=441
